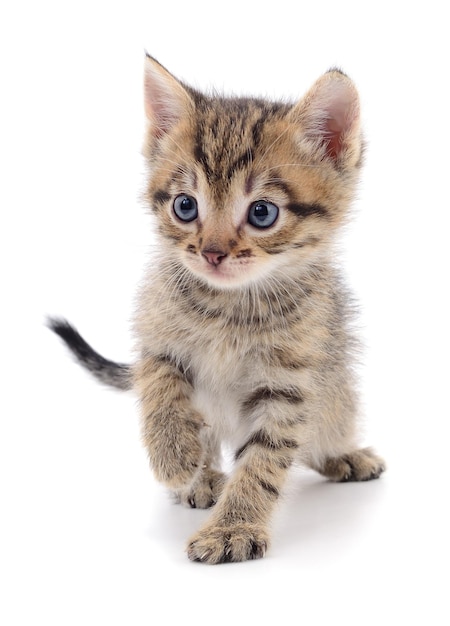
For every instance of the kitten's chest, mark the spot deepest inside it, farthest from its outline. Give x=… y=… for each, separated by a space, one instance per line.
x=222 y=378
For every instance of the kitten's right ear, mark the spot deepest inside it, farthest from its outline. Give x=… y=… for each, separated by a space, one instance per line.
x=166 y=100
x=329 y=117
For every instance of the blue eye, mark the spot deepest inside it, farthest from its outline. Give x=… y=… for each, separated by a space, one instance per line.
x=262 y=214
x=185 y=208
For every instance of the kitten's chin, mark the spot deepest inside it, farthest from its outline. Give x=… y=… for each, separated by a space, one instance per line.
x=224 y=280
x=225 y=277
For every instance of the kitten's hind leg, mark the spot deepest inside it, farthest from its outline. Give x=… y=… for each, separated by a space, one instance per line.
x=358 y=465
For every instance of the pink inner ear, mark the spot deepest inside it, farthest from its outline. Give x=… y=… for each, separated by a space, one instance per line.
x=333 y=138
x=159 y=114
x=160 y=110
x=165 y=99
x=338 y=122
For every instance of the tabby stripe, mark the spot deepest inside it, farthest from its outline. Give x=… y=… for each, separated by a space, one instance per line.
x=200 y=154
x=305 y=210
x=194 y=307
x=257 y=131
x=278 y=250
x=277 y=181
x=269 y=488
x=175 y=237
x=263 y=439
x=253 y=323
x=256 y=478
x=183 y=371
x=264 y=394
x=242 y=161
x=161 y=197
x=196 y=299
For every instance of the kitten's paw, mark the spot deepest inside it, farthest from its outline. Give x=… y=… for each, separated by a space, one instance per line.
x=205 y=492
x=357 y=466
x=176 y=458
x=216 y=544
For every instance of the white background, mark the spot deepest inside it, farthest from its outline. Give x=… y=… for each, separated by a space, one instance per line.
x=88 y=537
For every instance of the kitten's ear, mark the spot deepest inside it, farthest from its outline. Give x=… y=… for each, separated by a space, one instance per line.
x=166 y=100
x=329 y=116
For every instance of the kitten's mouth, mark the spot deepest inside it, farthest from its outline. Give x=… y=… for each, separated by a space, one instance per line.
x=224 y=274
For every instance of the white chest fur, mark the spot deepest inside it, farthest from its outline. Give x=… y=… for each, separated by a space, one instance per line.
x=222 y=380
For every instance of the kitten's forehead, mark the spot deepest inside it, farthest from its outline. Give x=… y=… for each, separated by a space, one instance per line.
x=227 y=134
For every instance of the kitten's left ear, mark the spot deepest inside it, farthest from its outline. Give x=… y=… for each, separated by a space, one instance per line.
x=166 y=100
x=329 y=117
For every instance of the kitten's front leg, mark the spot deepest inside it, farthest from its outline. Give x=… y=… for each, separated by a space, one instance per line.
x=238 y=527
x=171 y=426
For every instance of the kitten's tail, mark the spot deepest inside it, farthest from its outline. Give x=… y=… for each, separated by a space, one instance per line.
x=116 y=375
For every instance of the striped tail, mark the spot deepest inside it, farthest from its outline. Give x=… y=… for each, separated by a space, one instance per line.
x=116 y=375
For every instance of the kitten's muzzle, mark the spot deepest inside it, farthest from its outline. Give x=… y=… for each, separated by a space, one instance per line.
x=213 y=256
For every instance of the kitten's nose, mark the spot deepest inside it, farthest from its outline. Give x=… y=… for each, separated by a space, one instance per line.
x=214 y=257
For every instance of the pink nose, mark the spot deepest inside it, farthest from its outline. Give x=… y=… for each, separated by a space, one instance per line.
x=214 y=257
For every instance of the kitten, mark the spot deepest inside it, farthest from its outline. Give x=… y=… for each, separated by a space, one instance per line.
x=242 y=321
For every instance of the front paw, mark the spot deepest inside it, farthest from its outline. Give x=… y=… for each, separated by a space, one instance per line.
x=176 y=451
x=223 y=544
x=205 y=491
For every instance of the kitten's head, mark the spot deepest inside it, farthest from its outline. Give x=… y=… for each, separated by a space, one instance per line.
x=244 y=189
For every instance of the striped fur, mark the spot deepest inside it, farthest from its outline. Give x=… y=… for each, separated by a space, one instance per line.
x=243 y=332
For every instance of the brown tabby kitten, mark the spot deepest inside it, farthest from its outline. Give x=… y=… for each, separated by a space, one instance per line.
x=242 y=320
